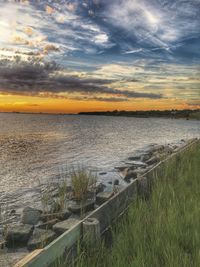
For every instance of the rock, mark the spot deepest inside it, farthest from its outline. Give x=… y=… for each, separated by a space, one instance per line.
x=136 y=157
x=158 y=147
x=61 y=227
x=118 y=188
x=121 y=168
x=100 y=188
x=136 y=164
x=103 y=197
x=59 y=215
x=131 y=174
x=47 y=225
x=150 y=149
x=70 y=195
x=2 y=244
x=108 y=188
x=12 y=212
x=64 y=215
x=85 y=206
x=30 y=216
x=152 y=160
x=102 y=173
x=145 y=157
x=75 y=216
x=168 y=150
x=18 y=235
x=116 y=182
x=91 y=193
x=40 y=238
x=55 y=206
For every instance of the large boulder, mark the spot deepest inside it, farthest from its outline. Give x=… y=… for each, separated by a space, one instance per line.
x=18 y=235
x=40 y=238
x=61 y=227
x=80 y=207
x=30 y=216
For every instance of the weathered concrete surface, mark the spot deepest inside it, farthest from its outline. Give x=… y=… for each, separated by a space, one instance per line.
x=47 y=225
x=18 y=235
x=82 y=207
x=63 y=226
x=30 y=216
x=40 y=238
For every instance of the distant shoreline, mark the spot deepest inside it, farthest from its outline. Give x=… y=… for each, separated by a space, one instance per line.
x=174 y=114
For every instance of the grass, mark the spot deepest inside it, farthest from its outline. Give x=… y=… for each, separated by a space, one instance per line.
x=163 y=231
x=82 y=181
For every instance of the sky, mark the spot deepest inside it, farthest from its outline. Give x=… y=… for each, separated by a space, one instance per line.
x=68 y=56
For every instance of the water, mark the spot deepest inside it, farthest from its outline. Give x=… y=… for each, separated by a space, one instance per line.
x=36 y=148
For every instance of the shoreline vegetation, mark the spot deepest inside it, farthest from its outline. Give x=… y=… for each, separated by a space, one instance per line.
x=174 y=114
x=162 y=230
x=64 y=205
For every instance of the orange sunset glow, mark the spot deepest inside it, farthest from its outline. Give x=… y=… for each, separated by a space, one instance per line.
x=50 y=105
x=65 y=60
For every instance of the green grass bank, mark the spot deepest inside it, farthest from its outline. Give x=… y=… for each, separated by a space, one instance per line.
x=161 y=231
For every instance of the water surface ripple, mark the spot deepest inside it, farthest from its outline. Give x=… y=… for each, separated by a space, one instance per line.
x=35 y=148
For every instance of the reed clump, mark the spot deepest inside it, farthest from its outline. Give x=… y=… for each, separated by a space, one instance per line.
x=163 y=231
x=82 y=182
x=79 y=186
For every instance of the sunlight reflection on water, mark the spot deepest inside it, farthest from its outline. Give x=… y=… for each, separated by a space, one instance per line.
x=38 y=147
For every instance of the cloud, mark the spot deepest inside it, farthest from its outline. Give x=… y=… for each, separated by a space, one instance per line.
x=40 y=78
x=50 y=47
x=135 y=29
x=112 y=50
x=101 y=99
x=153 y=24
x=37 y=25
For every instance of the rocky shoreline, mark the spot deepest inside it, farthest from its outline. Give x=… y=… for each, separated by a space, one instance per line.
x=35 y=228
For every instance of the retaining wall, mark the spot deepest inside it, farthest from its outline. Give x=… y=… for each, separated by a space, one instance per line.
x=106 y=214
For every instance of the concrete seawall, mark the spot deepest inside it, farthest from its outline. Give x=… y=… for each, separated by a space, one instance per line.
x=106 y=214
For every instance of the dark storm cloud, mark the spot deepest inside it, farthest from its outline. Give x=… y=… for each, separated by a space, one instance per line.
x=102 y=99
x=34 y=78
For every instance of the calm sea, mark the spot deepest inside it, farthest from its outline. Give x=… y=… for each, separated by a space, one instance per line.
x=35 y=148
